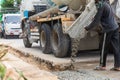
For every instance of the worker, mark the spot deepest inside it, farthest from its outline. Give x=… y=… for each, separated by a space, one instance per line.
x=105 y=17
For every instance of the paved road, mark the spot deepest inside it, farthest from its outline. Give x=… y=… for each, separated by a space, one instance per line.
x=35 y=50
x=85 y=61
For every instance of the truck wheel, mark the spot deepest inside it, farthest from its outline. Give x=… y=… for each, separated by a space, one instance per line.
x=45 y=34
x=60 y=42
x=27 y=33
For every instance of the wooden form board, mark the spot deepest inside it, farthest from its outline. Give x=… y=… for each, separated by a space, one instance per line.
x=62 y=17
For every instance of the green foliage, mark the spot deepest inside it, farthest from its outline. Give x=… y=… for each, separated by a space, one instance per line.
x=9 y=79
x=2 y=71
x=21 y=75
x=7 y=3
x=0 y=17
x=9 y=6
x=18 y=2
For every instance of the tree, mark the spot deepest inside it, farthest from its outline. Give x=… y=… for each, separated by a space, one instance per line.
x=18 y=2
x=8 y=4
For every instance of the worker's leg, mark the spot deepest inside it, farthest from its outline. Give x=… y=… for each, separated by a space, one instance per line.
x=115 y=47
x=104 y=49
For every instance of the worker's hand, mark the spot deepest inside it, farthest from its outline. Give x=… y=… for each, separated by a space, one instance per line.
x=86 y=28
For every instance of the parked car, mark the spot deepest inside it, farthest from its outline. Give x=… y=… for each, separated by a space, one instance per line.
x=11 y=25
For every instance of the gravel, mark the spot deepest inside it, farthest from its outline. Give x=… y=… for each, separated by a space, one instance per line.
x=80 y=75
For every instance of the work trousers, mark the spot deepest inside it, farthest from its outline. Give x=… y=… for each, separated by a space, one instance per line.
x=110 y=42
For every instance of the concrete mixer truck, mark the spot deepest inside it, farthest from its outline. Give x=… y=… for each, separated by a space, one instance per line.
x=58 y=25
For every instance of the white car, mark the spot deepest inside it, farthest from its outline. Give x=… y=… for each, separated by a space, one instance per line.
x=11 y=25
